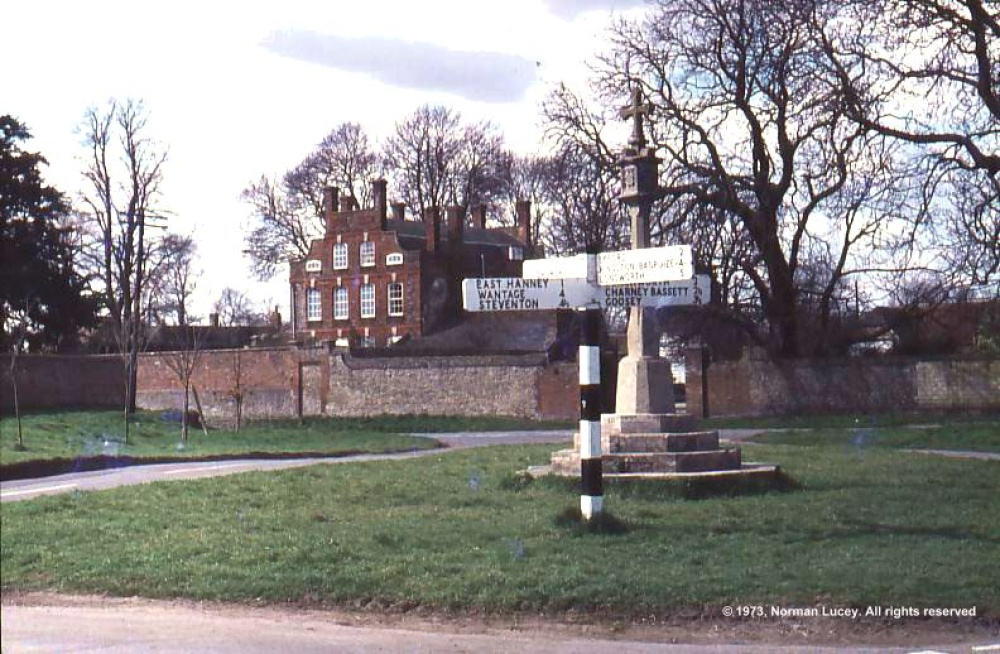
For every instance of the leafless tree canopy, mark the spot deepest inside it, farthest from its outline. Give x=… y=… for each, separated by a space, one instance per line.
x=236 y=309
x=287 y=214
x=927 y=73
x=173 y=279
x=435 y=159
x=124 y=169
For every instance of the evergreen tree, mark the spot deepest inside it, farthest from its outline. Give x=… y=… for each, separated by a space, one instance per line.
x=44 y=302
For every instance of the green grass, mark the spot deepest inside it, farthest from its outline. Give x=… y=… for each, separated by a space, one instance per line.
x=71 y=434
x=462 y=530
x=973 y=437
x=844 y=421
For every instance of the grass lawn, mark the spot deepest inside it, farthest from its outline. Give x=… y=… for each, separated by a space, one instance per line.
x=461 y=530
x=847 y=421
x=981 y=437
x=72 y=434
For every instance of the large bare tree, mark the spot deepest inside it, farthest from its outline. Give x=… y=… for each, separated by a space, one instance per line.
x=287 y=213
x=755 y=143
x=124 y=170
x=173 y=278
x=927 y=73
x=436 y=159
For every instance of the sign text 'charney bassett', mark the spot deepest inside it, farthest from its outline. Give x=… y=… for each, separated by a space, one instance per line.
x=515 y=294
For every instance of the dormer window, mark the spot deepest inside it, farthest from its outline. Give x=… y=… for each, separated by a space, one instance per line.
x=340 y=260
x=367 y=254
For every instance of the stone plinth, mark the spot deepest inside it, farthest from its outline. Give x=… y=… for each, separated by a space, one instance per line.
x=645 y=386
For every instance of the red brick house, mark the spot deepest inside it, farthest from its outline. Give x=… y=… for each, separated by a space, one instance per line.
x=374 y=279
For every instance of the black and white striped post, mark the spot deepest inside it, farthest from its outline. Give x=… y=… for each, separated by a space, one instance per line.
x=592 y=495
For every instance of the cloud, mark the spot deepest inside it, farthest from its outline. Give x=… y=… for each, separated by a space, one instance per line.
x=570 y=9
x=483 y=76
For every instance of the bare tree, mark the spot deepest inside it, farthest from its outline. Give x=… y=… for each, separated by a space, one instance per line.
x=173 y=279
x=184 y=363
x=943 y=98
x=18 y=339
x=435 y=159
x=345 y=159
x=581 y=179
x=236 y=309
x=753 y=138
x=287 y=214
x=238 y=391
x=124 y=169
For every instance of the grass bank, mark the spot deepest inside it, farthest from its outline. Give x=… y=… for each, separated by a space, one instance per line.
x=463 y=531
x=74 y=434
x=978 y=437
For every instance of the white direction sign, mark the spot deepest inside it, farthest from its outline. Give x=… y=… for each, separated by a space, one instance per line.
x=517 y=294
x=662 y=264
x=574 y=267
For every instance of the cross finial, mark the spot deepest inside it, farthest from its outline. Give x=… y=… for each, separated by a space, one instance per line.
x=636 y=110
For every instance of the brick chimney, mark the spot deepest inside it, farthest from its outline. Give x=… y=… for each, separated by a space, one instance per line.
x=456 y=227
x=432 y=227
x=330 y=194
x=479 y=216
x=378 y=196
x=399 y=211
x=523 y=210
x=348 y=203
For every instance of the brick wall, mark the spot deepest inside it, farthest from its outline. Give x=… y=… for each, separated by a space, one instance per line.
x=50 y=381
x=270 y=382
x=291 y=382
x=759 y=386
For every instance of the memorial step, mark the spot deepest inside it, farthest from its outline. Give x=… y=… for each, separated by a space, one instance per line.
x=723 y=459
x=693 y=441
x=646 y=423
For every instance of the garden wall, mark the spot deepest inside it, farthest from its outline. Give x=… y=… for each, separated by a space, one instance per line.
x=47 y=381
x=755 y=386
x=289 y=382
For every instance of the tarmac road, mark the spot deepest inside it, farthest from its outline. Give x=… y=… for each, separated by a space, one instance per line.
x=25 y=489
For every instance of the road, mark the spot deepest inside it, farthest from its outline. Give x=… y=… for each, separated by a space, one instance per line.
x=25 y=489
x=54 y=623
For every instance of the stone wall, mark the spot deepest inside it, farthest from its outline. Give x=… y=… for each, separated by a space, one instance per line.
x=292 y=382
x=49 y=381
x=521 y=386
x=759 y=386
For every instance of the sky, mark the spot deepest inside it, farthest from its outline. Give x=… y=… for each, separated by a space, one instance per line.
x=234 y=91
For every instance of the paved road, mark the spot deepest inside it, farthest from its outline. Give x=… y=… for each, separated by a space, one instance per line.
x=25 y=489
x=128 y=625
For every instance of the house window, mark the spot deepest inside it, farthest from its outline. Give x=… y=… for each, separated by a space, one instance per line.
x=340 y=256
x=368 y=300
x=341 y=309
x=367 y=341
x=394 y=259
x=395 y=299
x=314 y=305
x=367 y=253
x=314 y=265
x=515 y=254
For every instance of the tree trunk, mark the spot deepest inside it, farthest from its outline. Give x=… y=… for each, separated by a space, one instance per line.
x=184 y=414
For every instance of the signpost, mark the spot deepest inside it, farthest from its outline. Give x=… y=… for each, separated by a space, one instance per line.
x=516 y=294
x=663 y=264
x=646 y=278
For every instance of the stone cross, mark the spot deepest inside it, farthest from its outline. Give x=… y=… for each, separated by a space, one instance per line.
x=636 y=110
